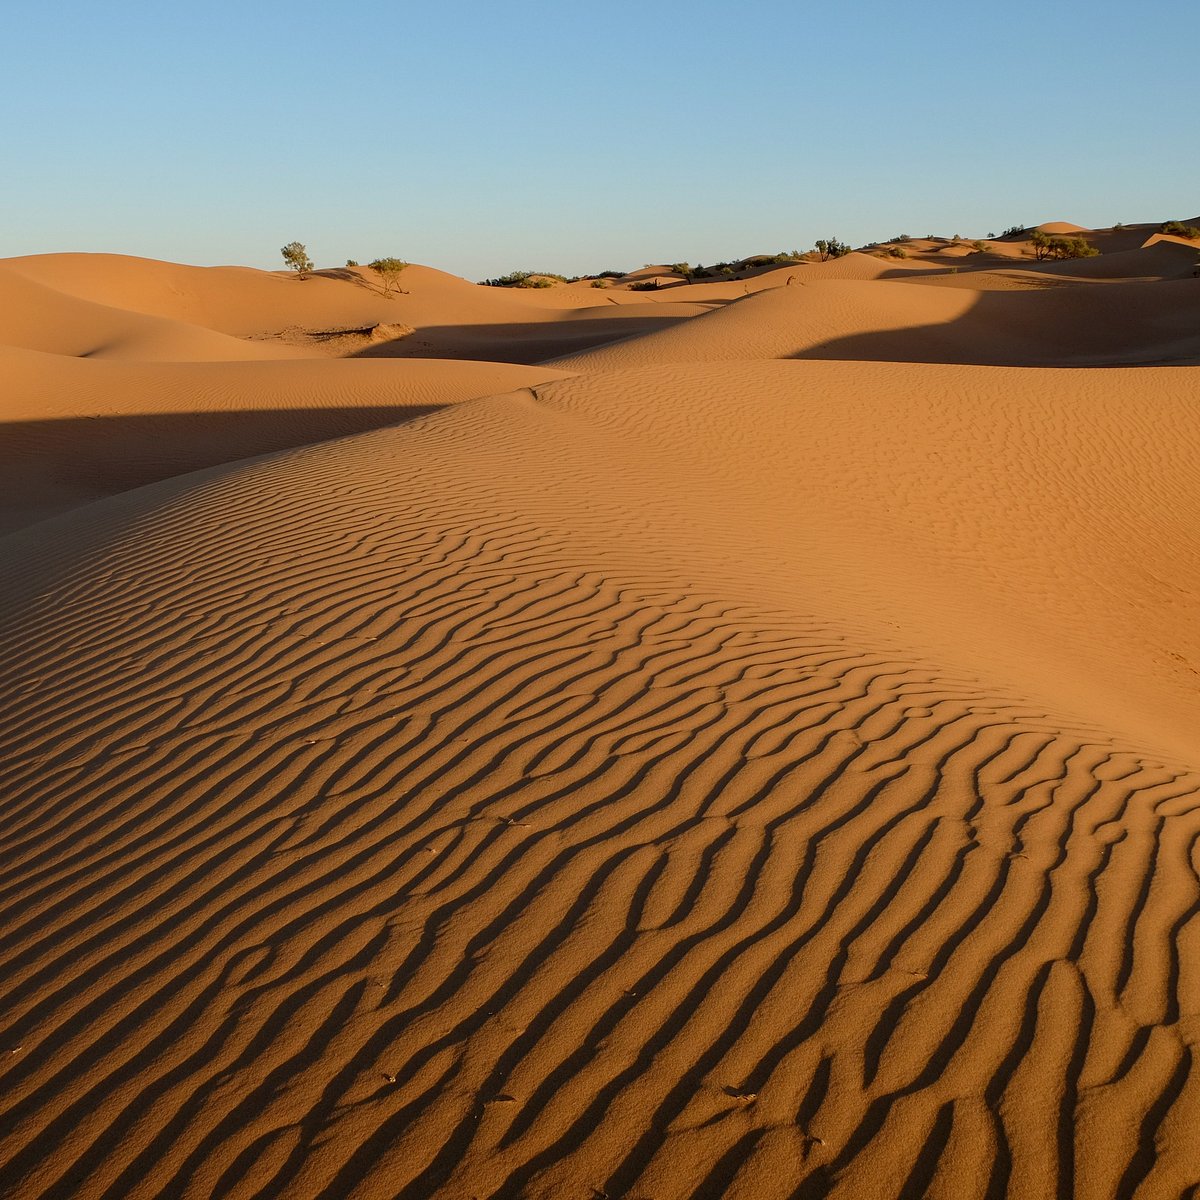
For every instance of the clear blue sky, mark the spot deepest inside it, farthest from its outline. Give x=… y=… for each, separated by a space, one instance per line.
x=482 y=135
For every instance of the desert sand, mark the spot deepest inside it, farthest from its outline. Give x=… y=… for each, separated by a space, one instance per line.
x=737 y=739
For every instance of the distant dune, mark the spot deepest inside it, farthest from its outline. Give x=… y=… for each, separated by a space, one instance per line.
x=736 y=740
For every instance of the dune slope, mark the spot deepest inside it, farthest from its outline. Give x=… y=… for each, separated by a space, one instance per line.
x=77 y=431
x=884 y=320
x=605 y=789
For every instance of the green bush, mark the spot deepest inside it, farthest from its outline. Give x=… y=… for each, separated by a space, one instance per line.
x=296 y=258
x=352 y=262
x=1015 y=231
x=1179 y=229
x=1046 y=246
x=389 y=270
x=644 y=285
x=529 y=279
x=897 y=252
x=829 y=248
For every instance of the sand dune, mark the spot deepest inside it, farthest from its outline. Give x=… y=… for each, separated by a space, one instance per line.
x=450 y=317
x=895 y=321
x=35 y=317
x=756 y=758
x=78 y=431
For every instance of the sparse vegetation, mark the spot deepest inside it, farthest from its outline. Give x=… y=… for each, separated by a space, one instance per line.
x=529 y=279
x=897 y=252
x=388 y=269
x=1179 y=229
x=295 y=256
x=979 y=247
x=1015 y=231
x=682 y=268
x=829 y=248
x=352 y=262
x=644 y=285
x=1048 y=246
x=773 y=260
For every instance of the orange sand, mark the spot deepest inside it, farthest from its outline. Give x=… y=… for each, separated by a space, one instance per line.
x=736 y=740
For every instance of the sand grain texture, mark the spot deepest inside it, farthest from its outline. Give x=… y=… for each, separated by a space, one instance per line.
x=703 y=766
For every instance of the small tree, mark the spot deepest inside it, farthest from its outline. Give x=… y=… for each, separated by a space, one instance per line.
x=1045 y=246
x=829 y=248
x=389 y=270
x=296 y=257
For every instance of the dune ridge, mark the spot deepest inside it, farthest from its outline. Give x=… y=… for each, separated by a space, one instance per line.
x=729 y=762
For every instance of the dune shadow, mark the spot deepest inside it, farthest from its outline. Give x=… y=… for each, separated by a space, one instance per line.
x=346 y=275
x=49 y=466
x=521 y=342
x=1052 y=328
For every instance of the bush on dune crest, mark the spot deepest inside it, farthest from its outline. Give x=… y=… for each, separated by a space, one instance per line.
x=829 y=248
x=525 y=279
x=389 y=270
x=1179 y=229
x=296 y=257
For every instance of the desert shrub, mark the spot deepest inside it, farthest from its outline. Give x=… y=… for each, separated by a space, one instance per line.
x=599 y=283
x=902 y=237
x=897 y=252
x=352 y=262
x=771 y=260
x=527 y=279
x=1047 y=246
x=1015 y=231
x=610 y=275
x=644 y=285
x=1179 y=229
x=295 y=256
x=1074 y=247
x=388 y=269
x=682 y=268
x=512 y=279
x=979 y=247
x=829 y=248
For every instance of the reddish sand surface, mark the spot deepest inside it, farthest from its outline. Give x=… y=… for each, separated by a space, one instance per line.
x=737 y=738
